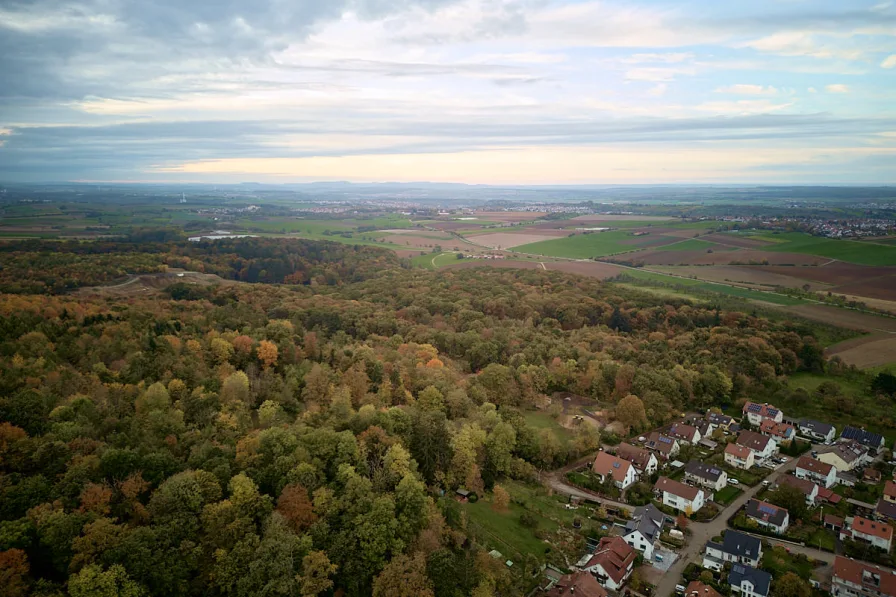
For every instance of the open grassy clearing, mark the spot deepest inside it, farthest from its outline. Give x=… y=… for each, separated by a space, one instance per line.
x=540 y=420
x=864 y=253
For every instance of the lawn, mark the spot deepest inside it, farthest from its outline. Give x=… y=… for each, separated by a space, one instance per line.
x=727 y=494
x=541 y=420
x=582 y=246
x=863 y=253
x=779 y=561
x=503 y=531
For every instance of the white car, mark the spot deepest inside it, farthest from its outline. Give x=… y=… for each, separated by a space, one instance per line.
x=733 y=481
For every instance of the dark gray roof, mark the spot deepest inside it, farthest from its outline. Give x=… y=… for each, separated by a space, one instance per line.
x=719 y=418
x=648 y=520
x=739 y=544
x=760 y=579
x=767 y=512
x=886 y=509
x=709 y=472
x=815 y=426
x=866 y=438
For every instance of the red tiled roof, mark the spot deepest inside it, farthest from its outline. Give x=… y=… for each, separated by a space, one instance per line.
x=740 y=452
x=880 y=530
x=607 y=463
x=829 y=495
x=776 y=429
x=814 y=466
x=890 y=489
x=698 y=589
x=578 y=584
x=853 y=571
x=676 y=488
x=637 y=456
x=833 y=520
x=615 y=556
x=682 y=431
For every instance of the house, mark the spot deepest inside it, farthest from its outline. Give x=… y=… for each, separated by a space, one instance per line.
x=737 y=548
x=665 y=446
x=869 y=439
x=807 y=487
x=829 y=496
x=645 y=462
x=762 y=446
x=577 y=584
x=779 y=432
x=768 y=515
x=739 y=456
x=885 y=511
x=719 y=420
x=853 y=578
x=706 y=475
x=705 y=428
x=749 y=581
x=816 y=431
x=677 y=495
x=685 y=434
x=833 y=523
x=871 y=475
x=621 y=471
x=862 y=530
x=846 y=456
x=644 y=529
x=756 y=413
x=817 y=471
x=698 y=589
x=890 y=492
x=611 y=563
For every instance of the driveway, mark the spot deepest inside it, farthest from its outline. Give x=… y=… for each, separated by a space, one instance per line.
x=701 y=532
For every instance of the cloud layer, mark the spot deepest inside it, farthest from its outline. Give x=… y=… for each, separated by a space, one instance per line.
x=446 y=90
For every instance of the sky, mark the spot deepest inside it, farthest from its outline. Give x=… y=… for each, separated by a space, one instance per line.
x=473 y=91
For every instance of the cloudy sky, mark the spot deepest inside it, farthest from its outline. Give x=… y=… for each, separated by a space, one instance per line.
x=480 y=91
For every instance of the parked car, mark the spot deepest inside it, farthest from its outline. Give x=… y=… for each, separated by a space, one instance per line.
x=765 y=483
x=733 y=481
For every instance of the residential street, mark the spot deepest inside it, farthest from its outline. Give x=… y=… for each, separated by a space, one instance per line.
x=700 y=532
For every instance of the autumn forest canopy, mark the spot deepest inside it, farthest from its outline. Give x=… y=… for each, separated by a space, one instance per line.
x=299 y=428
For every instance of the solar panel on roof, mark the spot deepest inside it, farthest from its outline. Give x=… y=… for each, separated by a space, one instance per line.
x=767 y=509
x=714 y=471
x=665 y=440
x=755 y=408
x=615 y=465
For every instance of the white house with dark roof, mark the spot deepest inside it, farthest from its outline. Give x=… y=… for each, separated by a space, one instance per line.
x=644 y=529
x=846 y=455
x=644 y=461
x=735 y=548
x=620 y=470
x=869 y=439
x=762 y=445
x=706 y=475
x=756 y=413
x=823 y=473
x=686 y=434
x=816 y=431
x=664 y=446
x=748 y=581
x=767 y=515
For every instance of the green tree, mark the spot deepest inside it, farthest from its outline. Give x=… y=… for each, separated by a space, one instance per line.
x=93 y=581
x=404 y=576
x=791 y=585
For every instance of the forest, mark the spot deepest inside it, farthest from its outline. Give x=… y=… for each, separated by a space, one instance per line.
x=36 y=266
x=302 y=435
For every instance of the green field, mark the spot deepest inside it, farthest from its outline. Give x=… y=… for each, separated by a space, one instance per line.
x=540 y=420
x=581 y=246
x=683 y=284
x=691 y=244
x=727 y=494
x=863 y=253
